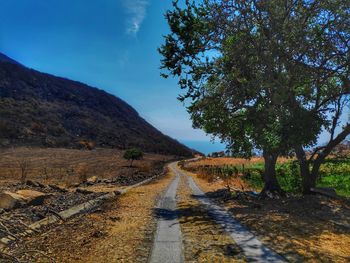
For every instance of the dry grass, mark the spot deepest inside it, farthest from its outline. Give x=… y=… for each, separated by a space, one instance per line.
x=230 y=161
x=204 y=240
x=67 y=165
x=122 y=231
x=301 y=229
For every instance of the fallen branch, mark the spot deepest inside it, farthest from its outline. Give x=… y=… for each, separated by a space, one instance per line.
x=28 y=227
x=7 y=231
x=55 y=214
x=78 y=209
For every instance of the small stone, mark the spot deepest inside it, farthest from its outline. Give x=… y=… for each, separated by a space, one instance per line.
x=32 y=197
x=83 y=191
x=32 y=183
x=92 y=180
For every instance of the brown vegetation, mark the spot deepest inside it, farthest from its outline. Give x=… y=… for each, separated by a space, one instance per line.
x=68 y=166
x=230 y=161
x=120 y=231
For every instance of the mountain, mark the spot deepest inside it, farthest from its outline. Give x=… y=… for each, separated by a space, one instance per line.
x=38 y=109
x=4 y=59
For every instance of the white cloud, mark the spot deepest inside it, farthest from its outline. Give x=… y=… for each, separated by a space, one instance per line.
x=136 y=10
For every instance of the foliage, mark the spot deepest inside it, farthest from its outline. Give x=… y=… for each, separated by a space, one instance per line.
x=133 y=154
x=82 y=171
x=335 y=173
x=243 y=66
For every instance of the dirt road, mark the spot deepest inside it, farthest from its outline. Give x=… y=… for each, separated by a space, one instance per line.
x=166 y=220
x=167 y=244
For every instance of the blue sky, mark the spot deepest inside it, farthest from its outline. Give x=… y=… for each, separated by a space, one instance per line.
x=110 y=44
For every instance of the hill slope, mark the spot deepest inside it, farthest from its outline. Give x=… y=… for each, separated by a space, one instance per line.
x=38 y=109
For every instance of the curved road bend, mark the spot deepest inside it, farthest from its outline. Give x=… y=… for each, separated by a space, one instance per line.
x=167 y=246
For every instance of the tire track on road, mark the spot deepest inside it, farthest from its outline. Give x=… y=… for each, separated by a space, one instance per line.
x=167 y=247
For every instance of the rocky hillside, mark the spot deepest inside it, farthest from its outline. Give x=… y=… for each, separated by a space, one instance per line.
x=38 y=109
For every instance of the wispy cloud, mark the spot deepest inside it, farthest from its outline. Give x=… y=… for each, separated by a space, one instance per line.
x=136 y=10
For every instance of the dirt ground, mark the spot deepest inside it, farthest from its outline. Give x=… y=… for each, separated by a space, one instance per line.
x=204 y=240
x=65 y=166
x=67 y=169
x=120 y=231
x=302 y=229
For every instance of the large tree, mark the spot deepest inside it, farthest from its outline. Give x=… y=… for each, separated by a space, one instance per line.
x=324 y=53
x=248 y=69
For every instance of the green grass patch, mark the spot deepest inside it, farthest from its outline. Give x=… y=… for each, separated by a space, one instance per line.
x=334 y=173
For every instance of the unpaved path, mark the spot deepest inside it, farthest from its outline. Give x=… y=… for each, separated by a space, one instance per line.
x=203 y=239
x=253 y=249
x=122 y=230
x=167 y=246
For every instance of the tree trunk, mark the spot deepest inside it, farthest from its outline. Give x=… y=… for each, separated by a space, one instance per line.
x=307 y=180
x=310 y=177
x=271 y=187
x=314 y=174
x=132 y=160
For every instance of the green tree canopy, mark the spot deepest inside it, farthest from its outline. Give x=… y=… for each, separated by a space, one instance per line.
x=260 y=74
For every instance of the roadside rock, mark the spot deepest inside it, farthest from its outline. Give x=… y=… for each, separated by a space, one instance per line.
x=91 y=180
x=83 y=191
x=10 y=200
x=32 y=197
